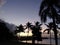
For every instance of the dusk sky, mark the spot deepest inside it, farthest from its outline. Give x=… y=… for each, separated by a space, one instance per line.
x=20 y=11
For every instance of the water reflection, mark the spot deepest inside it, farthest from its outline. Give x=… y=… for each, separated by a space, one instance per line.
x=45 y=41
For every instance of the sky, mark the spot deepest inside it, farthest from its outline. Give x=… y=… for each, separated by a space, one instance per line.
x=19 y=11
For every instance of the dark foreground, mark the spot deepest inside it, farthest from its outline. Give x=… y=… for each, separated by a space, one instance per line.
x=18 y=43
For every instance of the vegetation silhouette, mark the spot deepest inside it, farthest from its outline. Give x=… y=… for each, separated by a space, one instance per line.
x=28 y=24
x=36 y=32
x=50 y=27
x=47 y=9
x=5 y=34
x=19 y=29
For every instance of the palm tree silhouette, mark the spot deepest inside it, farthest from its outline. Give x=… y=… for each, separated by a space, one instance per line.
x=28 y=24
x=19 y=29
x=47 y=9
x=50 y=27
x=36 y=32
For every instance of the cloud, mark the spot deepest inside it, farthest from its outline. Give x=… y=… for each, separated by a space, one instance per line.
x=2 y=2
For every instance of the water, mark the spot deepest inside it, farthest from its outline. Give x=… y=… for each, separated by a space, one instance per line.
x=46 y=41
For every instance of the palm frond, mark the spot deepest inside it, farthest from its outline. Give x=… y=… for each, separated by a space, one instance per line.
x=47 y=30
x=57 y=3
x=40 y=24
x=47 y=25
x=58 y=20
x=44 y=14
x=43 y=5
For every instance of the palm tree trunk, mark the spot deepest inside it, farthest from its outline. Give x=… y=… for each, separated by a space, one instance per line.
x=54 y=25
x=50 y=37
x=27 y=34
x=55 y=32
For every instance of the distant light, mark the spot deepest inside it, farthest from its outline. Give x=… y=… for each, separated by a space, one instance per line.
x=24 y=34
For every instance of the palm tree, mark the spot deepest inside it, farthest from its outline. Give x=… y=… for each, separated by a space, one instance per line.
x=50 y=27
x=19 y=29
x=47 y=9
x=36 y=32
x=28 y=25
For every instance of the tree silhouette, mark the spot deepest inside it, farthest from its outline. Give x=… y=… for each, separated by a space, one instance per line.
x=28 y=24
x=36 y=32
x=50 y=27
x=19 y=29
x=47 y=9
x=5 y=34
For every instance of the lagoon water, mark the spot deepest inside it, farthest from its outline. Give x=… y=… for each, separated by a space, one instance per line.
x=46 y=41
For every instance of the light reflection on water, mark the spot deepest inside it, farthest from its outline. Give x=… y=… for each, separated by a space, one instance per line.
x=40 y=42
x=45 y=41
